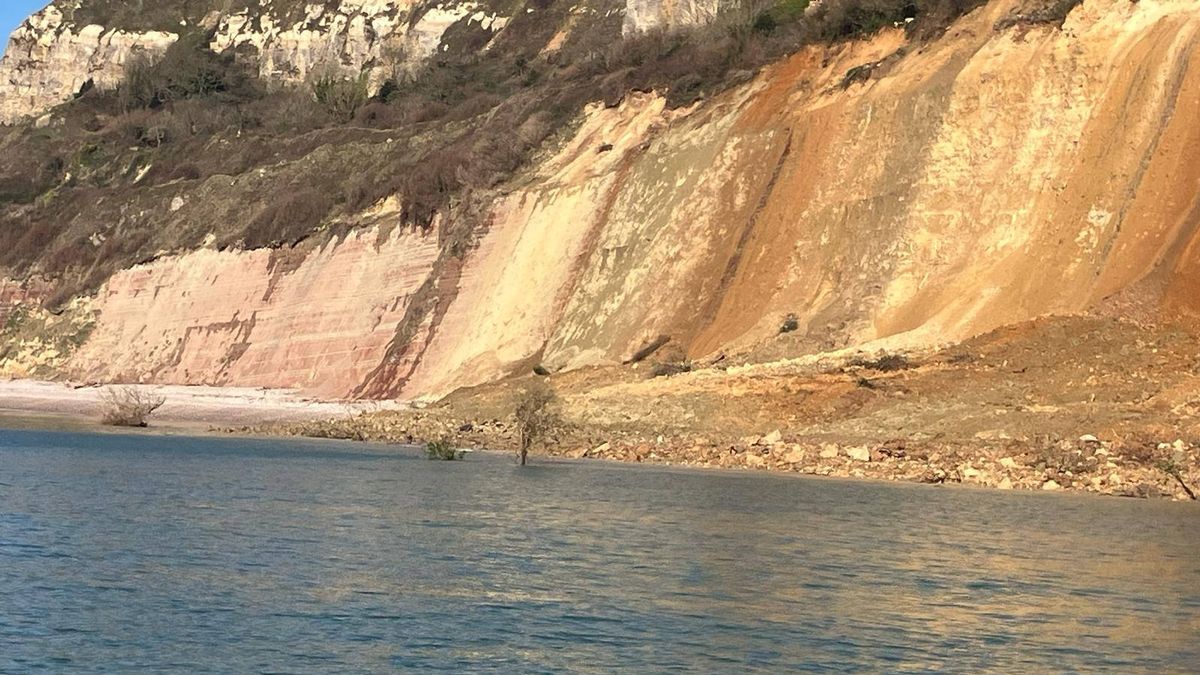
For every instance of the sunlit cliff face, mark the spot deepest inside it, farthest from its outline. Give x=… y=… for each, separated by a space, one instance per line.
x=986 y=177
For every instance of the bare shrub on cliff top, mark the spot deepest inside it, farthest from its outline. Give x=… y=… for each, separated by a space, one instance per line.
x=186 y=69
x=341 y=96
x=1054 y=12
x=128 y=406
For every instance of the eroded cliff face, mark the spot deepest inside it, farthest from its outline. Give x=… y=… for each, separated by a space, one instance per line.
x=246 y=318
x=992 y=175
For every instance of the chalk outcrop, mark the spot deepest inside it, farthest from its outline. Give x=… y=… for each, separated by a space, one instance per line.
x=51 y=57
x=49 y=60
x=379 y=37
x=645 y=15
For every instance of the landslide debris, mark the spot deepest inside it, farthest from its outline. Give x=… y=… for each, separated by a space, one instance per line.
x=1079 y=403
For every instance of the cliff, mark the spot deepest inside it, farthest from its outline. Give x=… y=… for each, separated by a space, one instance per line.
x=58 y=51
x=888 y=191
x=52 y=55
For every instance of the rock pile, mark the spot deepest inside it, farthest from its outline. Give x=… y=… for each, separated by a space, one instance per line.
x=1087 y=464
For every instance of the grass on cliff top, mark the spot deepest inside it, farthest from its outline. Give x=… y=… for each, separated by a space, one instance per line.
x=256 y=164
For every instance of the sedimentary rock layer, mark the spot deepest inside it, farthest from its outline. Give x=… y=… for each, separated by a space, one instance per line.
x=238 y=318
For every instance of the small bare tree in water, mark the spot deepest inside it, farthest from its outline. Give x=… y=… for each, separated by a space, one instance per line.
x=128 y=406
x=535 y=419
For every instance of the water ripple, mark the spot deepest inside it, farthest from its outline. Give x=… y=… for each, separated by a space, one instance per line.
x=125 y=553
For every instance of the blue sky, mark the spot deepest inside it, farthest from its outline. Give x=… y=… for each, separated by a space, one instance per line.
x=13 y=12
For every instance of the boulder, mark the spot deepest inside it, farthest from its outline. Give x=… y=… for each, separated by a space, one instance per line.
x=858 y=454
x=992 y=435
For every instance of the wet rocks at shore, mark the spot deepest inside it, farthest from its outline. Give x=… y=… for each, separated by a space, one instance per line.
x=1086 y=464
x=1081 y=404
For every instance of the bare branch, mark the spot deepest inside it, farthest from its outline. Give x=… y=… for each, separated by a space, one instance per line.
x=128 y=406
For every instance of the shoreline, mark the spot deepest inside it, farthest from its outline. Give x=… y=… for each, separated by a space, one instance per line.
x=16 y=420
x=188 y=408
x=1086 y=464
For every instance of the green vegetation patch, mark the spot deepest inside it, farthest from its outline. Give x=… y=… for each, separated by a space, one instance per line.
x=443 y=450
x=35 y=342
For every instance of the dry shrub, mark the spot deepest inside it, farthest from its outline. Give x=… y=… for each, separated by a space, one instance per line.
x=286 y=111
x=535 y=417
x=187 y=69
x=841 y=19
x=887 y=363
x=379 y=115
x=340 y=96
x=129 y=127
x=1054 y=12
x=428 y=188
x=128 y=406
x=288 y=219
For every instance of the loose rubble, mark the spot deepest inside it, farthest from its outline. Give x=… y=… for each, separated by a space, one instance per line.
x=1078 y=404
x=1087 y=464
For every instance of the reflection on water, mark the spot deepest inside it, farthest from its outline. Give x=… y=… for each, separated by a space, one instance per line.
x=230 y=555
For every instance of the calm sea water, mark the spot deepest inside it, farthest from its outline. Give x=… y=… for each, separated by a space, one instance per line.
x=167 y=554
